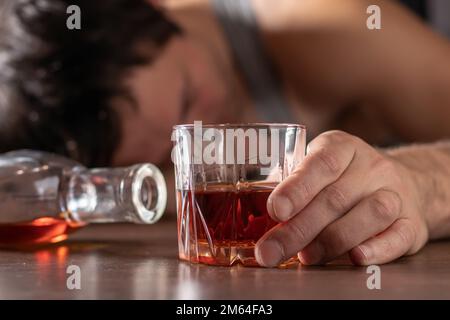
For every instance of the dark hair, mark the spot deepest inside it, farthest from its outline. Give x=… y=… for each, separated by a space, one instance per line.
x=57 y=85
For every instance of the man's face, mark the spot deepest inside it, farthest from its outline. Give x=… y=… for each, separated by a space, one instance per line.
x=183 y=84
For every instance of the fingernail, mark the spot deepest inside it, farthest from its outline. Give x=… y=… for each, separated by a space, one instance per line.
x=312 y=254
x=360 y=255
x=281 y=207
x=269 y=253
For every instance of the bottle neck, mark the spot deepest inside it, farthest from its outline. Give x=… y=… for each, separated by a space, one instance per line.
x=134 y=194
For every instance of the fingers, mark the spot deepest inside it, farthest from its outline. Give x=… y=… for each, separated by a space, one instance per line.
x=393 y=243
x=370 y=217
x=329 y=205
x=329 y=156
x=335 y=200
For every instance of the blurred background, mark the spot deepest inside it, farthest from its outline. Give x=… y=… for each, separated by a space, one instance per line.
x=109 y=93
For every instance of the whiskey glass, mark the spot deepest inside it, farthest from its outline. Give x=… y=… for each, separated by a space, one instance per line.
x=224 y=175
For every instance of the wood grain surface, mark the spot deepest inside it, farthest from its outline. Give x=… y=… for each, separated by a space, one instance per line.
x=140 y=262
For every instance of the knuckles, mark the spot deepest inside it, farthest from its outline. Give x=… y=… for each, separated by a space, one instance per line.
x=386 y=205
x=334 y=136
x=325 y=150
x=335 y=199
x=328 y=161
x=296 y=189
x=406 y=232
x=298 y=232
x=337 y=137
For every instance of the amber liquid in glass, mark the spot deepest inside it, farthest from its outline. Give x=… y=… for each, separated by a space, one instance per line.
x=39 y=231
x=220 y=225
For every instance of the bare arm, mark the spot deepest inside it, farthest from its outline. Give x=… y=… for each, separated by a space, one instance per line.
x=432 y=162
x=325 y=51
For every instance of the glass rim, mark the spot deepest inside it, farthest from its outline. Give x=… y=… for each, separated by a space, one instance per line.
x=241 y=125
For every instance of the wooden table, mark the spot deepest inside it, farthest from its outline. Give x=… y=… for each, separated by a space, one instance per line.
x=140 y=262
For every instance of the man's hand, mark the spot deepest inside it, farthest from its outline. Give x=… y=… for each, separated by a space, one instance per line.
x=346 y=196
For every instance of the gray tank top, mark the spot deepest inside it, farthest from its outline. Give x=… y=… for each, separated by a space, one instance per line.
x=438 y=11
x=240 y=28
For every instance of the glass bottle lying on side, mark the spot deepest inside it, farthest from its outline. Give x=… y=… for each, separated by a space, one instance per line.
x=44 y=197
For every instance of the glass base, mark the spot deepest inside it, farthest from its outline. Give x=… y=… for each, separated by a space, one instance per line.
x=228 y=253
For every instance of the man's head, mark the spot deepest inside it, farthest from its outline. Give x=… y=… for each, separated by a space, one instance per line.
x=59 y=87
